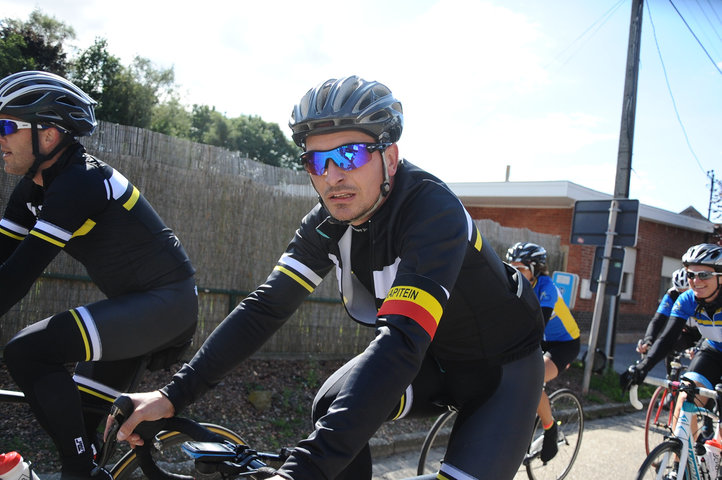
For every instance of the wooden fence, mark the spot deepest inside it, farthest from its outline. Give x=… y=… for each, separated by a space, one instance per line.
x=235 y=217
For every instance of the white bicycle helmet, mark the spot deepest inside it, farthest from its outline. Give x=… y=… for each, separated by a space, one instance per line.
x=679 y=279
x=704 y=254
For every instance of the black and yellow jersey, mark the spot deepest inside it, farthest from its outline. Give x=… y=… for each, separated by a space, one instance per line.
x=419 y=271
x=91 y=211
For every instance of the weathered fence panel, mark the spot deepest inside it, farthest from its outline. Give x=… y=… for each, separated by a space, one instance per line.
x=235 y=217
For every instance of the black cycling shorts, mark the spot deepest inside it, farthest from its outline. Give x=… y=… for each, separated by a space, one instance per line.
x=562 y=353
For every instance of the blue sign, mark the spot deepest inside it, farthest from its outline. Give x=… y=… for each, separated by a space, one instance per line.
x=568 y=284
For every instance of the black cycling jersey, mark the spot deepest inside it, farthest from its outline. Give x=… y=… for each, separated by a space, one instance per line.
x=91 y=211
x=426 y=280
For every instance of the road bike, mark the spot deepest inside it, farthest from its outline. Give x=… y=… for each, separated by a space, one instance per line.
x=123 y=464
x=207 y=455
x=660 y=410
x=569 y=415
x=682 y=454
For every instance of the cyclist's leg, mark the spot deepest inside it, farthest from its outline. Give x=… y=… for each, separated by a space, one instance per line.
x=484 y=444
x=36 y=359
x=122 y=327
x=557 y=358
x=100 y=383
x=360 y=467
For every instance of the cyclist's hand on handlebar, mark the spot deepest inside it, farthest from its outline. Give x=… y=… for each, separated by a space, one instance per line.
x=634 y=375
x=643 y=346
x=146 y=407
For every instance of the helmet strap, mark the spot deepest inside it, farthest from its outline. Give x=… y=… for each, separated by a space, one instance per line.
x=39 y=157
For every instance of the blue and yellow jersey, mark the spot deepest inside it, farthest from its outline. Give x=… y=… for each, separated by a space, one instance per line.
x=710 y=326
x=561 y=327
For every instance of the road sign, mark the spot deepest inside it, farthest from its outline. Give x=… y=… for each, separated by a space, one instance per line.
x=614 y=275
x=568 y=284
x=591 y=220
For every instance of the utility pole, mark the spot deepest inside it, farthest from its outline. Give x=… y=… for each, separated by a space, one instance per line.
x=621 y=185
x=629 y=105
x=710 y=174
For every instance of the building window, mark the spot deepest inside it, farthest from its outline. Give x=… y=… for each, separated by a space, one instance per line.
x=630 y=260
x=669 y=265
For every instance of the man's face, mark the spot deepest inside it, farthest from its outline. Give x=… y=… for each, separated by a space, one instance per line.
x=349 y=193
x=702 y=288
x=17 y=149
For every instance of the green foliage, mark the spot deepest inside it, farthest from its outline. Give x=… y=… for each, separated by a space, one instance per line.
x=607 y=384
x=171 y=118
x=35 y=44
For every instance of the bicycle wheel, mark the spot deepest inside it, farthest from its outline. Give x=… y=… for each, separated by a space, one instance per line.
x=568 y=413
x=658 y=422
x=434 y=446
x=661 y=462
x=167 y=453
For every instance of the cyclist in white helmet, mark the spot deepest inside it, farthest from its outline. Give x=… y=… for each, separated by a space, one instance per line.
x=689 y=336
x=701 y=304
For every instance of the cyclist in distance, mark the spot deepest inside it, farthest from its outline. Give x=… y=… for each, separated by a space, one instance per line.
x=702 y=303
x=69 y=200
x=561 y=335
x=454 y=325
x=689 y=335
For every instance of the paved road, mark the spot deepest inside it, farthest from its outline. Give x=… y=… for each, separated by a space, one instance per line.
x=612 y=447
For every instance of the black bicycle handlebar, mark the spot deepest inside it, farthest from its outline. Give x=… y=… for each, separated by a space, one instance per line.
x=122 y=409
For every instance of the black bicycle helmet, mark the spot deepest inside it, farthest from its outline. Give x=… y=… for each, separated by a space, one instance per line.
x=704 y=254
x=349 y=103
x=679 y=279
x=47 y=99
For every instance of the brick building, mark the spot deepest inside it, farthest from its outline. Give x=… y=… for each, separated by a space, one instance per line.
x=548 y=207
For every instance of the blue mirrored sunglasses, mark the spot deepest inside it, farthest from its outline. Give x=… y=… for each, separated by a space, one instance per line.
x=346 y=157
x=11 y=126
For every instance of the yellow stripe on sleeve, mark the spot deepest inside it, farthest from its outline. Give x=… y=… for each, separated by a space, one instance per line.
x=133 y=199
x=298 y=279
x=47 y=239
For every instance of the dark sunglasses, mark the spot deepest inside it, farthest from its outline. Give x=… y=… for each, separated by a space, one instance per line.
x=346 y=157
x=11 y=126
x=702 y=275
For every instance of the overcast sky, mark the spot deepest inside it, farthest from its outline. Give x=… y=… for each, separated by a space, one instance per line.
x=536 y=85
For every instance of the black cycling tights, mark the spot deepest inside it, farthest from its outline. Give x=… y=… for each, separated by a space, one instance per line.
x=497 y=407
x=37 y=358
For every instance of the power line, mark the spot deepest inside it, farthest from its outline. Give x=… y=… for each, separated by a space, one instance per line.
x=603 y=19
x=695 y=36
x=669 y=89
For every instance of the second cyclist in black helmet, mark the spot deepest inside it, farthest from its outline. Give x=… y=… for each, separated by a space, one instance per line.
x=561 y=336
x=70 y=201
x=454 y=326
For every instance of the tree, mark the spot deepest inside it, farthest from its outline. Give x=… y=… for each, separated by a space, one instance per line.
x=125 y=95
x=171 y=118
x=35 y=44
x=262 y=141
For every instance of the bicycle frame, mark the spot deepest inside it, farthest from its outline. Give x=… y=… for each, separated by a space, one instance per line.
x=683 y=429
